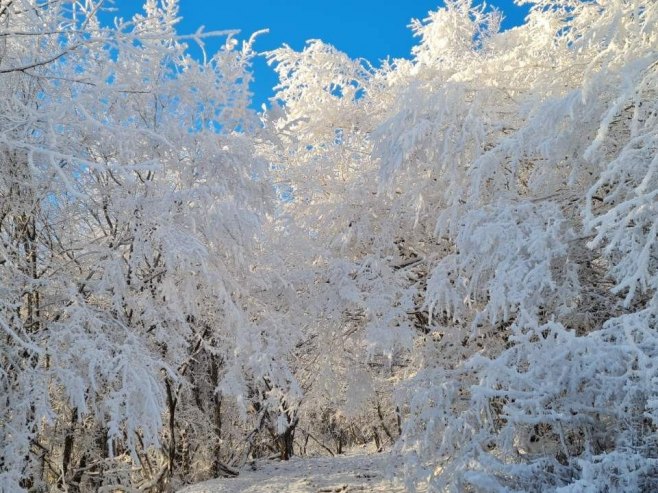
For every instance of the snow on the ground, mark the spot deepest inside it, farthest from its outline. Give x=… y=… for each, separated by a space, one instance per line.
x=340 y=474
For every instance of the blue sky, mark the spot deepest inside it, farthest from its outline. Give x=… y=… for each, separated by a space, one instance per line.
x=371 y=29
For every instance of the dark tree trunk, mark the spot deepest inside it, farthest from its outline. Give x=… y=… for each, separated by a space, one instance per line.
x=218 y=467
x=285 y=442
x=378 y=441
x=171 y=402
x=68 y=447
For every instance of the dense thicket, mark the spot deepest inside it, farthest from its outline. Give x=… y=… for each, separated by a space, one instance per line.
x=455 y=255
x=130 y=227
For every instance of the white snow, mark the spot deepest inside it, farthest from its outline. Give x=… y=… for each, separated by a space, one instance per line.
x=340 y=474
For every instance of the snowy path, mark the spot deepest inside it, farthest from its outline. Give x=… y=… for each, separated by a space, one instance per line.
x=342 y=474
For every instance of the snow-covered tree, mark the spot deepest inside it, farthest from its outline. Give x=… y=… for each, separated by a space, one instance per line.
x=512 y=229
x=132 y=207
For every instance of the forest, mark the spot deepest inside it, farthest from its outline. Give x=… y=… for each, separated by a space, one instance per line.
x=453 y=257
